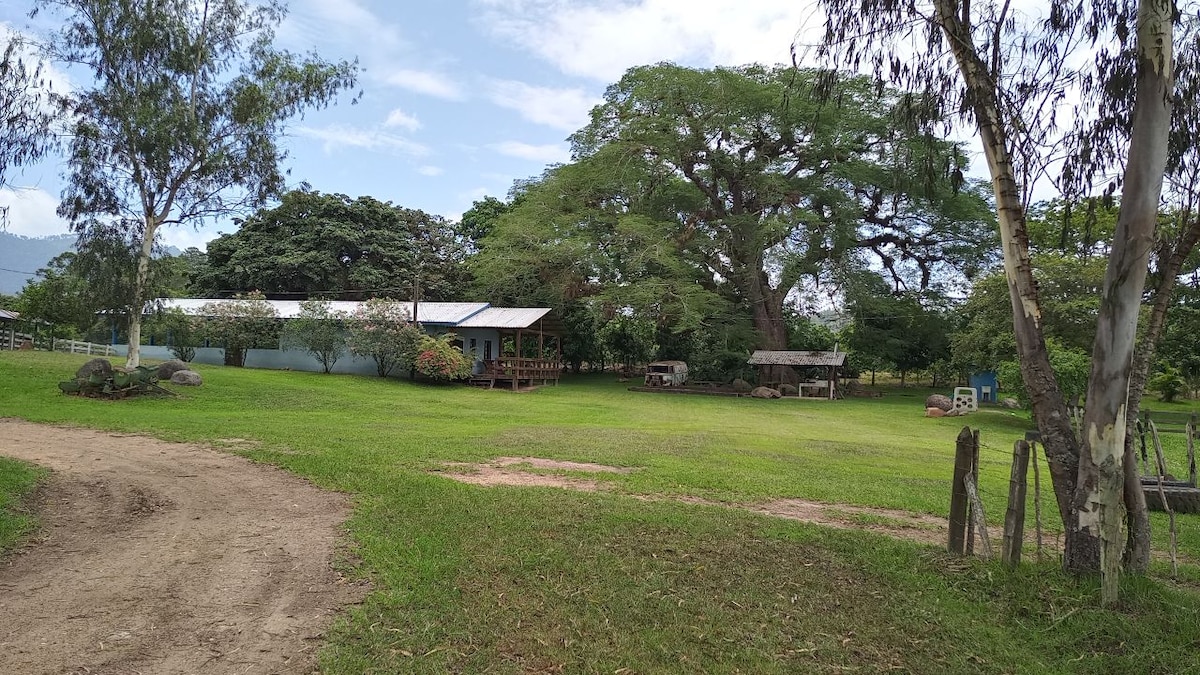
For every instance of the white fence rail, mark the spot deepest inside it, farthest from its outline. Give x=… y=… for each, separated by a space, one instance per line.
x=89 y=348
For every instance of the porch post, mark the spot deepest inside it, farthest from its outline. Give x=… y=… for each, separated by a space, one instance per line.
x=541 y=362
x=517 y=360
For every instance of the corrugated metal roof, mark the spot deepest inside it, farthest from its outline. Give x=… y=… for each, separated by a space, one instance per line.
x=505 y=317
x=764 y=357
x=9 y=316
x=449 y=314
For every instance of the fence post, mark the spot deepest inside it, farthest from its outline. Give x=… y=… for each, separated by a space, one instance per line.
x=974 y=508
x=964 y=453
x=1162 y=495
x=1191 y=448
x=1014 y=518
x=977 y=517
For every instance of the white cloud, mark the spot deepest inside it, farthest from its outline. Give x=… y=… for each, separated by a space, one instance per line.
x=337 y=136
x=399 y=118
x=429 y=170
x=424 y=82
x=184 y=237
x=337 y=24
x=601 y=40
x=565 y=109
x=31 y=213
x=546 y=154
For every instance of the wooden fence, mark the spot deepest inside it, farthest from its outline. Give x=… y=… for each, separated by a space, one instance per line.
x=11 y=339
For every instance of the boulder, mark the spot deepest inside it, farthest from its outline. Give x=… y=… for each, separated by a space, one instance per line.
x=939 y=401
x=935 y=412
x=187 y=378
x=788 y=390
x=1010 y=403
x=742 y=385
x=765 y=392
x=168 y=368
x=102 y=366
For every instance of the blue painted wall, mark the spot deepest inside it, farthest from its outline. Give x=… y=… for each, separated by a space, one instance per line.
x=987 y=378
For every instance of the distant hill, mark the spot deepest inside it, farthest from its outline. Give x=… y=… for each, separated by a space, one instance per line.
x=27 y=254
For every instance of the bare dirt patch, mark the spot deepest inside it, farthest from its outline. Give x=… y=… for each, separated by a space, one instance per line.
x=159 y=557
x=523 y=471
x=515 y=471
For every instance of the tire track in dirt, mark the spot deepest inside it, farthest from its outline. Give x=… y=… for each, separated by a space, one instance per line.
x=159 y=557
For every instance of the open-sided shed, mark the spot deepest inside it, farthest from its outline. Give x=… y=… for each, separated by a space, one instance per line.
x=828 y=363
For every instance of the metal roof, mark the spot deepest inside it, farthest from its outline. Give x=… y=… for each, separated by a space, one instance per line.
x=464 y=314
x=9 y=316
x=505 y=317
x=764 y=357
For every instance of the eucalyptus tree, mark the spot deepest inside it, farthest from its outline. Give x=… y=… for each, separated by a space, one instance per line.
x=26 y=116
x=181 y=117
x=1008 y=76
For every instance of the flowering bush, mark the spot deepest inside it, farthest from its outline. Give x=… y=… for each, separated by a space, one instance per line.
x=440 y=360
x=381 y=329
x=246 y=322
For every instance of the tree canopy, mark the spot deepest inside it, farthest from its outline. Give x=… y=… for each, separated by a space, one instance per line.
x=333 y=246
x=181 y=119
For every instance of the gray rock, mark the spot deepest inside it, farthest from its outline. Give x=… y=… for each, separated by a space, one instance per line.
x=742 y=385
x=765 y=392
x=939 y=401
x=788 y=390
x=102 y=366
x=187 y=378
x=1010 y=403
x=168 y=368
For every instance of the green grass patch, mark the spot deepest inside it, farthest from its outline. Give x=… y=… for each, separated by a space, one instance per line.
x=17 y=481
x=512 y=580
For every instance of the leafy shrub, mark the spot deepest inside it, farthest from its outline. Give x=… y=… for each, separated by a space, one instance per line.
x=382 y=330
x=318 y=330
x=438 y=359
x=1071 y=366
x=1168 y=382
x=630 y=340
x=184 y=333
x=243 y=323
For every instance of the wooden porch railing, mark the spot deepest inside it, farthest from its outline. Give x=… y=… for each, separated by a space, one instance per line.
x=513 y=371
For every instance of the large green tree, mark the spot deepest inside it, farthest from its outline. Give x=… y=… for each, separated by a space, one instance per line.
x=180 y=119
x=333 y=246
x=774 y=186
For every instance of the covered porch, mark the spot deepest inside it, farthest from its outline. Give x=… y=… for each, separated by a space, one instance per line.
x=530 y=348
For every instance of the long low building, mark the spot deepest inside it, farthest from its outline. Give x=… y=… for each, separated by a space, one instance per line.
x=495 y=338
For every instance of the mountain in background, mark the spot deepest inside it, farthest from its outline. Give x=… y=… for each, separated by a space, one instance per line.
x=21 y=256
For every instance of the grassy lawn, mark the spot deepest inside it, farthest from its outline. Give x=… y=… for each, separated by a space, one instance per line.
x=506 y=579
x=17 y=480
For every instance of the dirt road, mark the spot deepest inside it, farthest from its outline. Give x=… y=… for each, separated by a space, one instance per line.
x=160 y=557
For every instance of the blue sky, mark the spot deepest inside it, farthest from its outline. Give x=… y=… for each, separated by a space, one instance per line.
x=460 y=97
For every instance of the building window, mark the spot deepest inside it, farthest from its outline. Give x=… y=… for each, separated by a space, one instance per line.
x=473 y=347
x=487 y=350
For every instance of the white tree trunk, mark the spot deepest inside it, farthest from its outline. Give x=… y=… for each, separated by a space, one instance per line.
x=140 y=283
x=1049 y=408
x=1099 y=497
